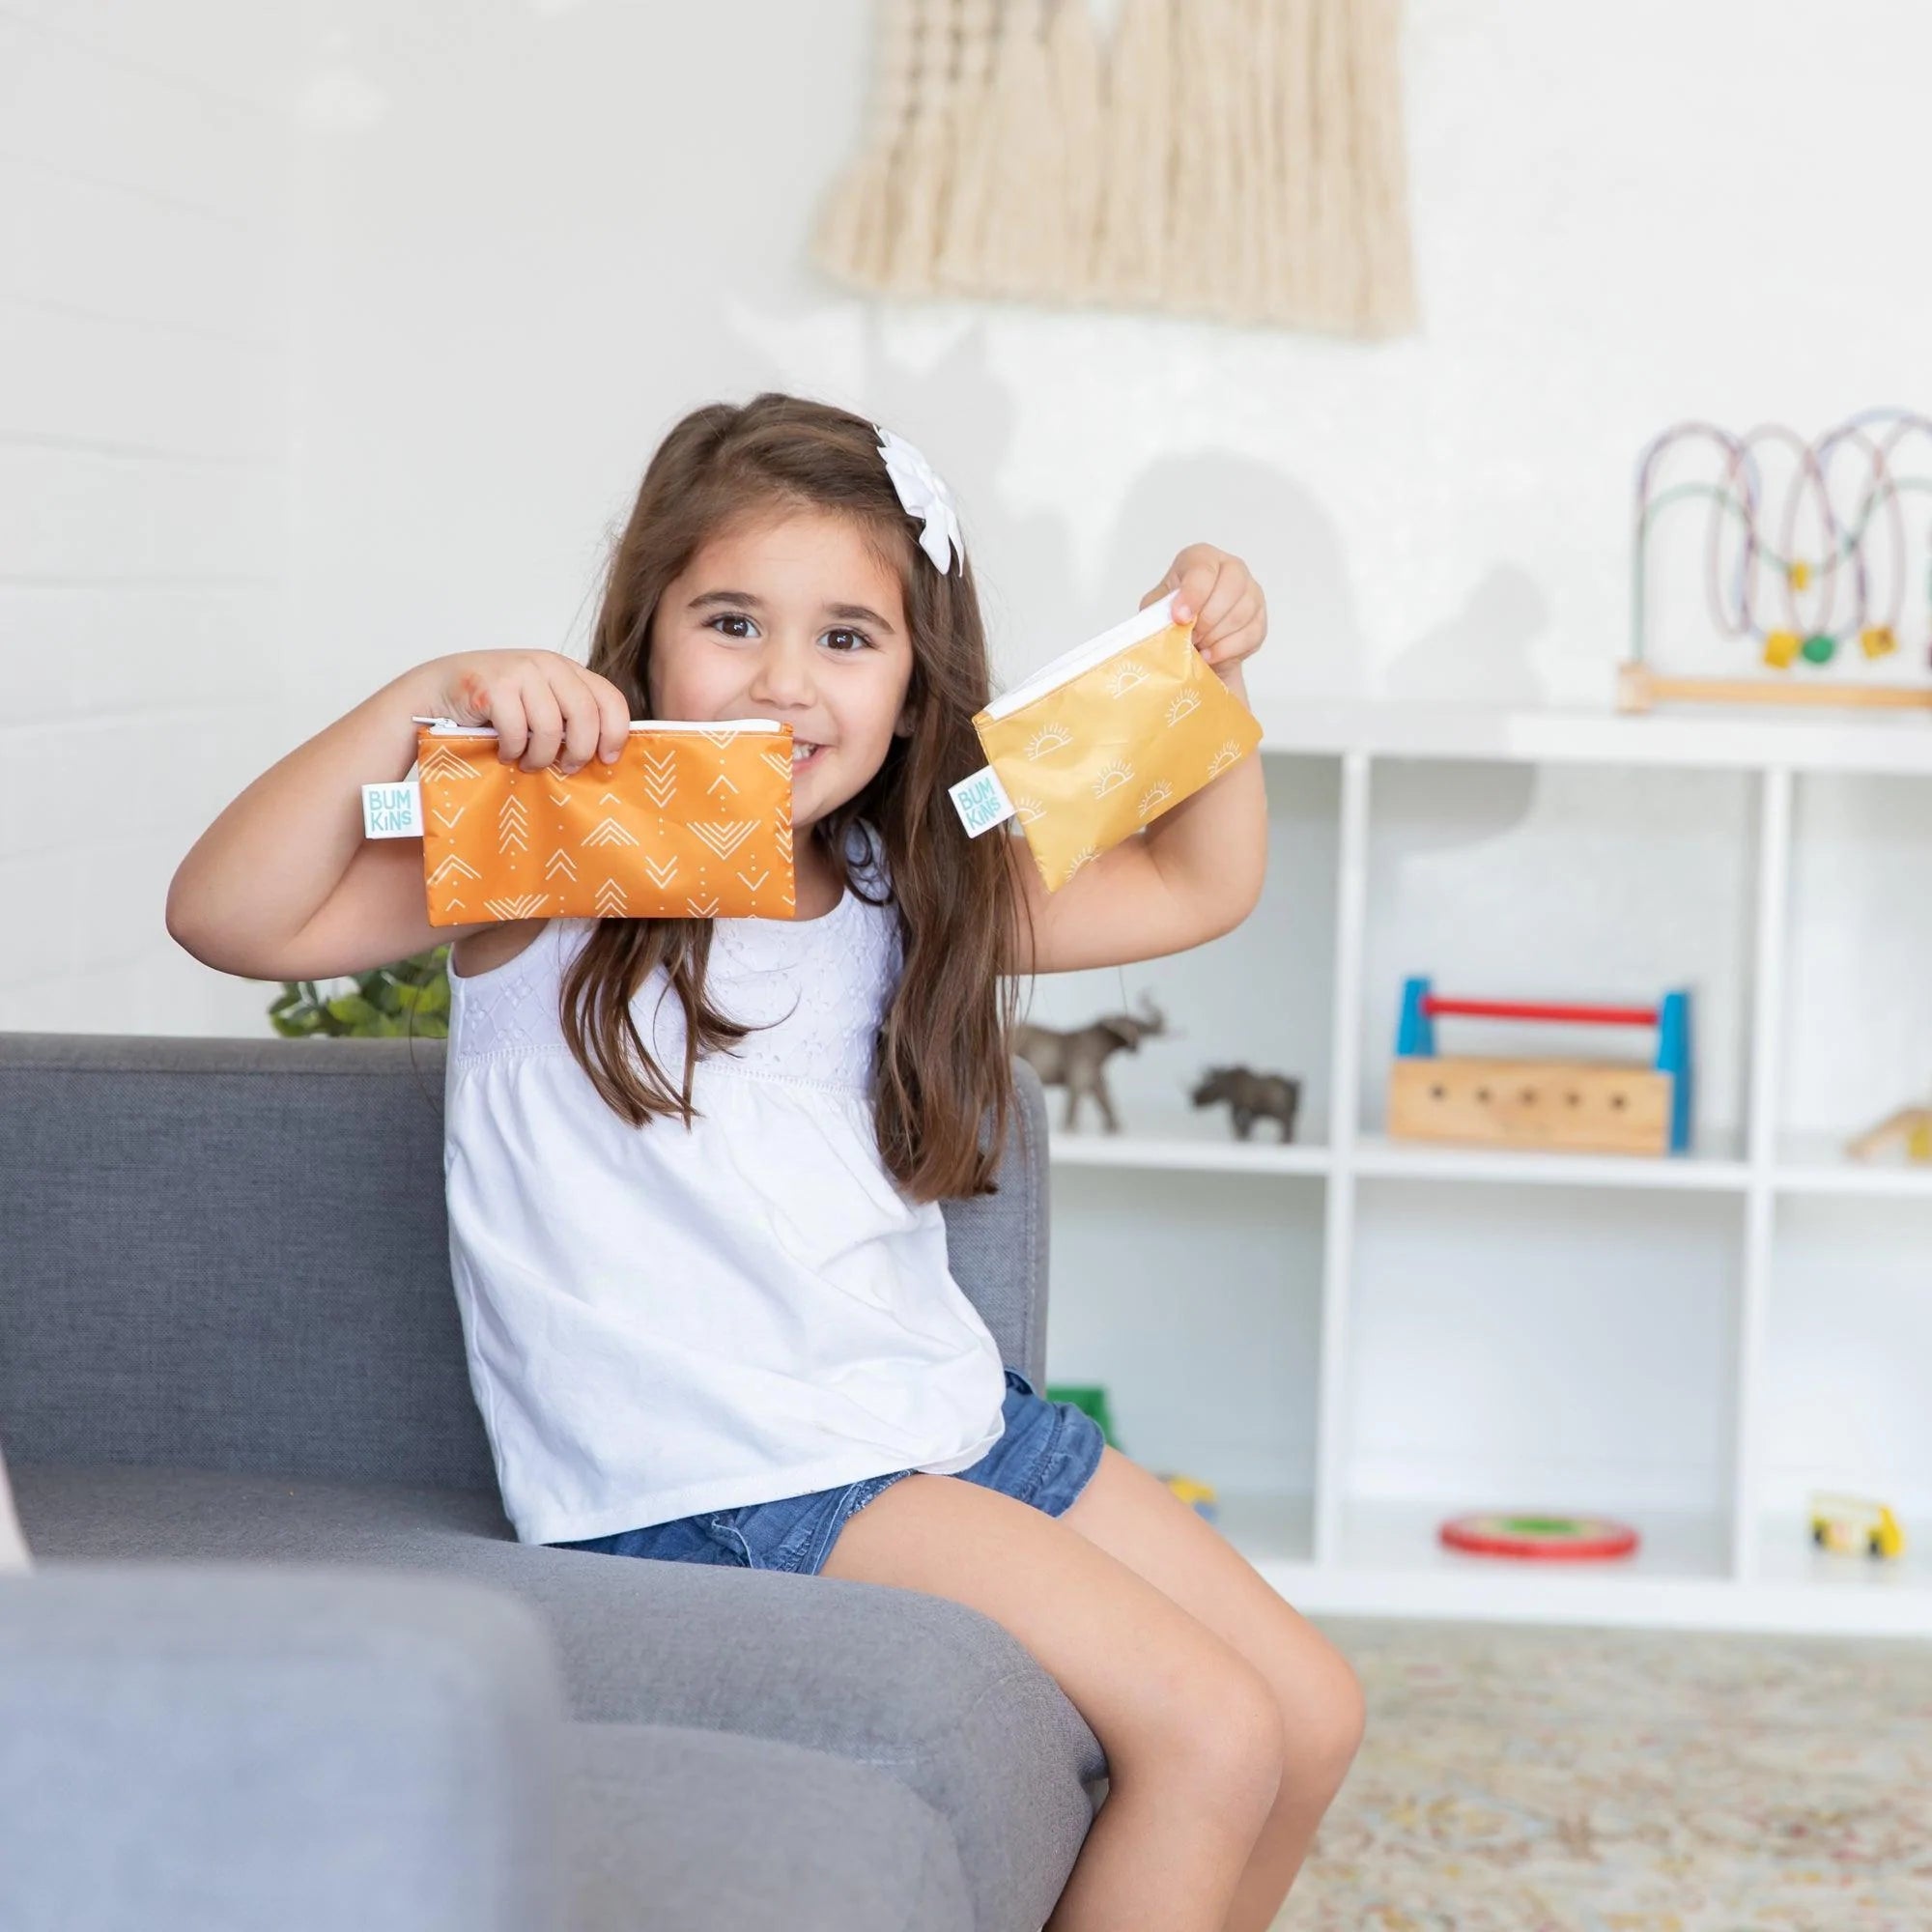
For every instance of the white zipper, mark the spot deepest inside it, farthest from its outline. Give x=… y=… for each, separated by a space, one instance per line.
x=445 y=727
x=1068 y=666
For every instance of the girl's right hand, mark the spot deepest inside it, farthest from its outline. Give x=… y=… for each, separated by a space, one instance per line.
x=547 y=709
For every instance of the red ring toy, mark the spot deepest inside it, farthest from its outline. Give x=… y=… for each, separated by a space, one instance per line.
x=1541 y=1539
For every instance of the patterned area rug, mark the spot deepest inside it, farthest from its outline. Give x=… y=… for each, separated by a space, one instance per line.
x=1519 y=1778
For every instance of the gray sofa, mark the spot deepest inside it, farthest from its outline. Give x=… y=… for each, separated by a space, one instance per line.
x=283 y=1661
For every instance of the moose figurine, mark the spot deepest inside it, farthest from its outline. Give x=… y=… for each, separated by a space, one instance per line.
x=1250 y=1095
x=1077 y=1060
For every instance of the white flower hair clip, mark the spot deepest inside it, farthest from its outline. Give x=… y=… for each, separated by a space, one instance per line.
x=925 y=497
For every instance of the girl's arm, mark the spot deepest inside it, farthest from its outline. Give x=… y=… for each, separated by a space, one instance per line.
x=1196 y=872
x=284 y=886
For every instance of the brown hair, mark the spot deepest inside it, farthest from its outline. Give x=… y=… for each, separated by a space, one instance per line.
x=943 y=1059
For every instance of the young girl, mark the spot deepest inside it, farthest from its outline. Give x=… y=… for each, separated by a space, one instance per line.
x=694 y=1166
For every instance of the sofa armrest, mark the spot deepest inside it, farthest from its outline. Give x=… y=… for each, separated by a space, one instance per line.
x=997 y=1244
x=228 y=1745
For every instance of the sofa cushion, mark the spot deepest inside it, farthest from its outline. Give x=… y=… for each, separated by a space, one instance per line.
x=705 y=1832
x=931 y=1692
x=234 y=1254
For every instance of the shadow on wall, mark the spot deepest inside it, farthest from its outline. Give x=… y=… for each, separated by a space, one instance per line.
x=1025 y=563
x=1480 y=656
x=1034 y=607
x=1281 y=532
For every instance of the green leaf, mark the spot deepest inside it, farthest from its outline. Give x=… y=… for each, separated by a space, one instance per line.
x=409 y=997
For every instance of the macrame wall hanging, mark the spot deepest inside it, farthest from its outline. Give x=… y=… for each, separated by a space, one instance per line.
x=1240 y=160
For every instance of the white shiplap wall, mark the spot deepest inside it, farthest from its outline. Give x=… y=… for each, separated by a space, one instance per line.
x=144 y=175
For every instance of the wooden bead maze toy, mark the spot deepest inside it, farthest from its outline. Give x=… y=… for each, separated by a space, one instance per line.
x=1807 y=551
x=1580 y=1106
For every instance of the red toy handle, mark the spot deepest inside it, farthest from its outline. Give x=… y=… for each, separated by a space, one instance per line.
x=1435 y=1007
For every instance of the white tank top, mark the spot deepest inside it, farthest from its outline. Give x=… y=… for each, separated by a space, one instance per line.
x=662 y=1320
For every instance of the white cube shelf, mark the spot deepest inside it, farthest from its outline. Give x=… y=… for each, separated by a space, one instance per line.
x=1355 y=1337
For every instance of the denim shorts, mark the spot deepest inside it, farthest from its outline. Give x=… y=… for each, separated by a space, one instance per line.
x=1044 y=1457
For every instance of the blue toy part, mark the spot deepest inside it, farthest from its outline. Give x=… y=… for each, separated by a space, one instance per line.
x=1673 y=1057
x=1415 y=1033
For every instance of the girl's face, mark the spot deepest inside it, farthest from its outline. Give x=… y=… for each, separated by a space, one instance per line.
x=793 y=620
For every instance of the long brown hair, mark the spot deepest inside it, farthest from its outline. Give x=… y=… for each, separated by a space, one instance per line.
x=942 y=1064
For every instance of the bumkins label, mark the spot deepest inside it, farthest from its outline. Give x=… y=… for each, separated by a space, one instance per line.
x=982 y=801
x=392 y=811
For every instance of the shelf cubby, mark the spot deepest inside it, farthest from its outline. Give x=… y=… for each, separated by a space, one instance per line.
x=1168 y=1288
x=1541 y=1349
x=1843 y=1404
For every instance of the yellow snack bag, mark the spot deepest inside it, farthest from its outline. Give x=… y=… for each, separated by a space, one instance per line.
x=1102 y=741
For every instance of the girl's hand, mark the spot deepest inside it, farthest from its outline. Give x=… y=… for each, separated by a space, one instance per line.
x=548 y=709
x=1219 y=594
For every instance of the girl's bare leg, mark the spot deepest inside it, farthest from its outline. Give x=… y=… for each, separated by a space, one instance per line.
x=1133 y=1516
x=1191 y=1730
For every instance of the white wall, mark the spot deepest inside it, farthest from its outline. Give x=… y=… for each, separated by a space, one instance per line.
x=528 y=237
x=543 y=232
x=144 y=380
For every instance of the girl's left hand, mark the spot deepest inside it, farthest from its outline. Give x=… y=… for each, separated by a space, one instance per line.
x=1219 y=594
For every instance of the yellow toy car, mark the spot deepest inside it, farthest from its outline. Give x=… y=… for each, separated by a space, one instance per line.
x=1856 y=1526
x=1199 y=1496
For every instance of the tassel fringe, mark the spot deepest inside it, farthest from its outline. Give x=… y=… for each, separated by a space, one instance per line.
x=1241 y=161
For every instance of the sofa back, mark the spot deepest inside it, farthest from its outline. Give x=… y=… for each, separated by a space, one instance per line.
x=233 y=1254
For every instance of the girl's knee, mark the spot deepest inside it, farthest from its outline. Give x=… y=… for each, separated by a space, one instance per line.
x=1326 y=1731
x=1225 y=1733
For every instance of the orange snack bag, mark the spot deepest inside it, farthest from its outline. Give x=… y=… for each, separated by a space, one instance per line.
x=693 y=821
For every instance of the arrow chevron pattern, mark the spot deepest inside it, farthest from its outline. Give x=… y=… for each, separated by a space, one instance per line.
x=725 y=835
x=437 y=761
x=684 y=825
x=610 y=831
x=513 y=823
x=660 y=779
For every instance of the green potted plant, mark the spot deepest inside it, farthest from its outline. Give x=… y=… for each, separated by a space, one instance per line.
x=410 y=997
